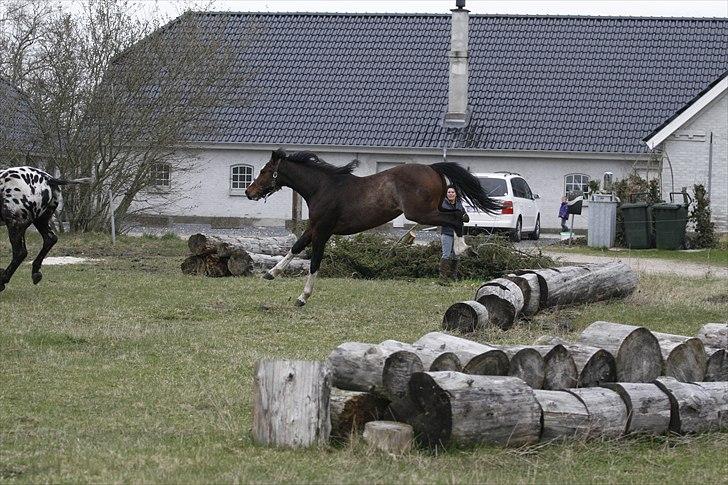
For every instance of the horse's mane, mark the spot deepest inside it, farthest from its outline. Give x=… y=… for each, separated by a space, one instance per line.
x=312 y=160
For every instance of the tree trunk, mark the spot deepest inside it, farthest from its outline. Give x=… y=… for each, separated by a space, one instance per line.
x=607 y=411
x=648 y=407
x=291 y=403
x=462 y=410
x=476 y=358
x=240 y=264
x=636 y=351
x=389 y=436
x=525 y=363
x=465 y=317
x=714 y=335
x=207 y=265
x=432 y=360
x=693 y=408
x=717 y=366
x=719 y=392
x=593 y=365
x=528 y=283
x=684 y=357
x=503 y=299
x=564 y=416
x=295 y=267
x=200 y=244
x=351 y=410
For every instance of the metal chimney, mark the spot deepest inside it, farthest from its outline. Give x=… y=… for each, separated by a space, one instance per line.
x=457 y=105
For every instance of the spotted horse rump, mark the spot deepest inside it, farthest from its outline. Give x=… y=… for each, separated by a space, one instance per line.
x=29 y=196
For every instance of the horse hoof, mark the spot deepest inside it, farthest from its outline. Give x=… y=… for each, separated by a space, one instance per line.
x=300 y=302
x=36 y=278
x=268 y=276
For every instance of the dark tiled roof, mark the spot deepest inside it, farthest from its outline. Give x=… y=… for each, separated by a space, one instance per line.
x=18 y=130
x=595 y=84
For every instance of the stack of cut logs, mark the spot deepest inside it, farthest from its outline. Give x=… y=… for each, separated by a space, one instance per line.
x=238 y=256
x=614 y=380
x=501 y=301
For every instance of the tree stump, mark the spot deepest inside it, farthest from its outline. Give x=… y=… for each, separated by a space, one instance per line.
x=465 y=317
x=607 y=411
x=719 y=392
x=693 y=408
x=476 y=358
x=291 y=403
x=389 y=436
x=684 y=357
x=564 y=416
x=648 y=407
x=716 y=368
x=528 y=283
x=525 y=363
x=593 y=365
x=503 y=299
x=432 y=360
x=207 y=265
x=351 y=410
x=463 y=410
x=636 y=351
x=714 y=335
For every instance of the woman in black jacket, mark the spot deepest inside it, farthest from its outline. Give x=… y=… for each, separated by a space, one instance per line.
x=449 y=261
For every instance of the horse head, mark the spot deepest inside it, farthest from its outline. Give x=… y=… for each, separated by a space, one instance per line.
x=267 y=180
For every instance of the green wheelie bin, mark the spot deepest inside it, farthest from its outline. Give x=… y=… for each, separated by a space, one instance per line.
x=670 y=222
x=637 y=225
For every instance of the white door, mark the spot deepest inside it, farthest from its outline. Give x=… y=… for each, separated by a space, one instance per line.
x=524 y=198
x=400 y=220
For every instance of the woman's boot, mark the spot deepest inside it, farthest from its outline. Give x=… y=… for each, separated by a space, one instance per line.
x=454 y=274
x=445 y=271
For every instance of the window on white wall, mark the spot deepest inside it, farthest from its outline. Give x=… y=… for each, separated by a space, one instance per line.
x=241 y=176
x=160 y=175
x=576 y=181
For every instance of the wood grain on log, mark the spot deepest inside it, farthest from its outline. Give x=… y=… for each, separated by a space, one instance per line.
x=291 y=403
x=593 y=365
x=559 y=367
x=693 y=408
x=648 y=407
x=719 y=392
x=528 y=283
x=714 y=335
x=351 y=410
x=389 y=436
x=465 y=317
x=503 y=299
x=476 y=358
x=462 y=410
x=526 y=363
x=684 y=357
x=432 y=360
x=607 y=411
x=564 y=416
x=717 y=366
x=636 y=351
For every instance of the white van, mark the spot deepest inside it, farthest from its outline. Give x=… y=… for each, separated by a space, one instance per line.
x=520 y=214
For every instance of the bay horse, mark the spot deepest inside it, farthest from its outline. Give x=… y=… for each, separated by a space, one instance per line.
x=342 y=203
x=29 y=196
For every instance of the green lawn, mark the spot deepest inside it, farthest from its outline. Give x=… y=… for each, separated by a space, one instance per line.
x=713 y=257
x=128 y=371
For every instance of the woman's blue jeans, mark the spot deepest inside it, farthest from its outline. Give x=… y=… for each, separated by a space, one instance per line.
x=447 y=246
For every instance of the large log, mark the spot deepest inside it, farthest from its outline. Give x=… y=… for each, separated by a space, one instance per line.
x=207 y=265
x=476 y=358
x=525 y=363
x=465 y=317
x=296 y=266
x=719 y=392
x=559 y=367
x=462 y=410
x=503 y=299
x=564 y=415
x=291 y=403
x=593 y=365
x=714 y=335
x=607 y=411
x=528 y=283
x=693 y=408
x=224 y=246
x=648 y=407
x=717 y=367
x=351 y=410
x=636 y=351
x=684 y=357
x=432 y=360
x=551 y=278
x=389 y=436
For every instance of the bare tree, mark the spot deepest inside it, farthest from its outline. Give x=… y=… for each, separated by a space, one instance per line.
x=119 y=96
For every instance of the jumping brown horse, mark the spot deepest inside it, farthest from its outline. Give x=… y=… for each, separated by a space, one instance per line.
x=342 y=203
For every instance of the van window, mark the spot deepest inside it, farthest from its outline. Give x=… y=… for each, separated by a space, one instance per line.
x=494 y=187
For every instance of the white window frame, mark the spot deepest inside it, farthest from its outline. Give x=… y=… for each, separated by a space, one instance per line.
x=583 y=184
x=157 y=174
x=240 y=190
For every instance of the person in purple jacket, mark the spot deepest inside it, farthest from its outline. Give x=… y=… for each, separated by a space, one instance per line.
x=564 y=214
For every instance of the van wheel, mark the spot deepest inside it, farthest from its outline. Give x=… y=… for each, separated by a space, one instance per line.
x=536 y=234
x=516 y=233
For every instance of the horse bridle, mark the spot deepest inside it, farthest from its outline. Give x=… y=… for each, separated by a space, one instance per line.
x=274 y=186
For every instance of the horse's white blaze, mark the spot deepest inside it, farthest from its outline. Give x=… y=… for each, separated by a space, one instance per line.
x=282 y=264
x=308 y=289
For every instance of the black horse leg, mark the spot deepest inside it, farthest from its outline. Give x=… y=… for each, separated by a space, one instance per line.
x=297 y=247
x=317 y=254
x=49 y=240
x=17 y=241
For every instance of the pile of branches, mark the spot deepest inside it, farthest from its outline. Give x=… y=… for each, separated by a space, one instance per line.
x=375 y=256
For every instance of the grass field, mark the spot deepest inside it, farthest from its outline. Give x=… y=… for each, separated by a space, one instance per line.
x=128 y=371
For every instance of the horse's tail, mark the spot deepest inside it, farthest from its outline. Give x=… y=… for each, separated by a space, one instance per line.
x=56 y=182
x=467 y=186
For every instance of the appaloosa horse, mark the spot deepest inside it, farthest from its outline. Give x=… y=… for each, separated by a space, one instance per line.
x=28 y=196
x=342 y=203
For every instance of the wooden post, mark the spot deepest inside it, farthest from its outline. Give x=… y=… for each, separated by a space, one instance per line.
x=296 y=212
x=648 y=407
x=291 y=403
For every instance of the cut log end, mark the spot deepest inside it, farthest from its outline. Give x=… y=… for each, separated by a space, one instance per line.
x=389 y=436
x=434 y=423
x=717 y=366
x=491 y=363
x=687 y=362
x=465 y=317
x=527 y=364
